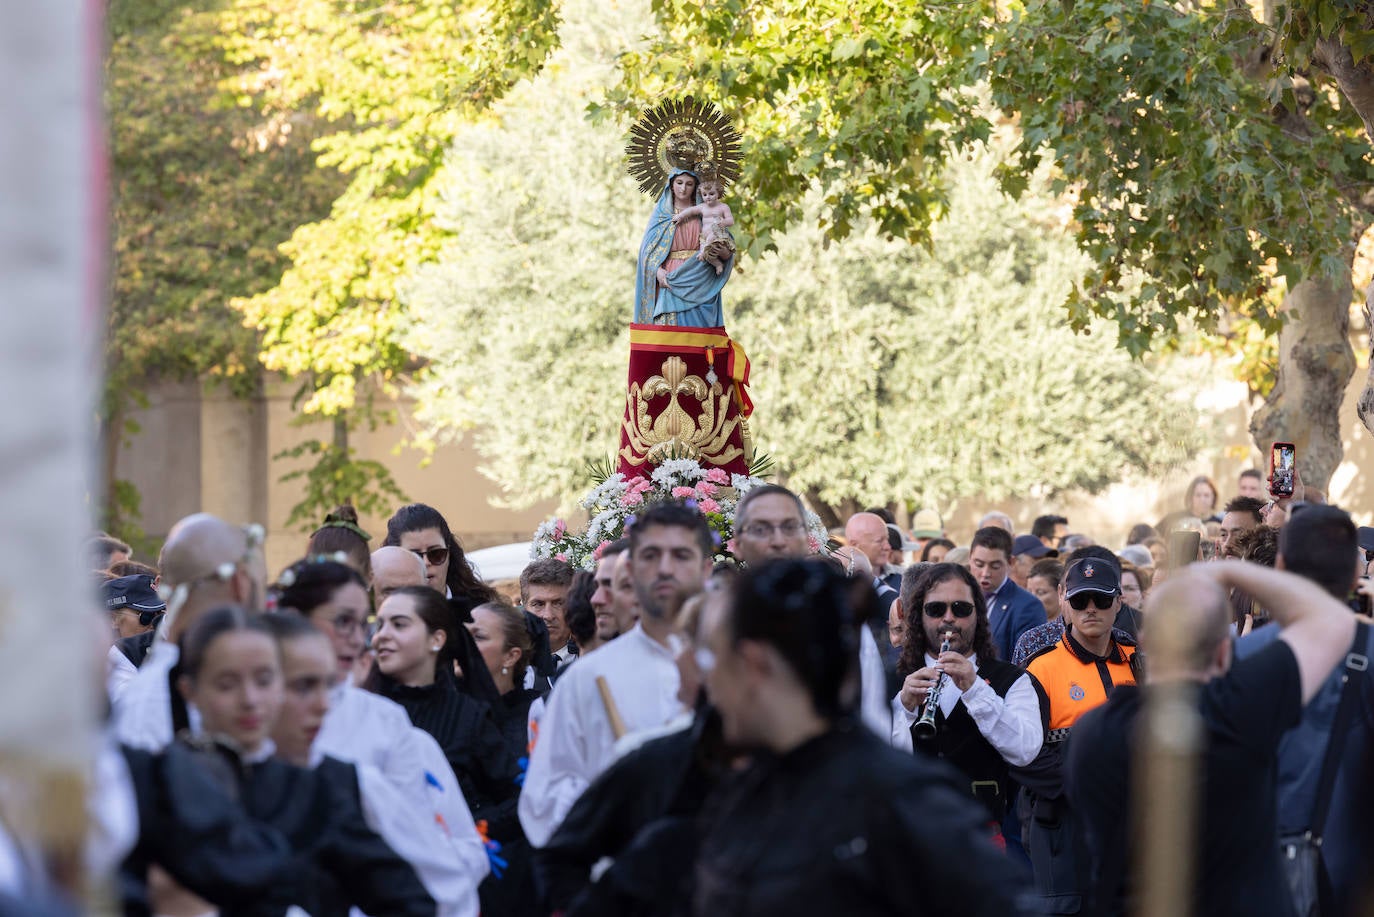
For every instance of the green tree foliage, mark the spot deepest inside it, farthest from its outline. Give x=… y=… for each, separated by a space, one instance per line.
x=881 y=371
x=1188 y=193
x=203 y=194
x=524 y=319
x=863 y=98
x=1180 y=173
x=394 y=80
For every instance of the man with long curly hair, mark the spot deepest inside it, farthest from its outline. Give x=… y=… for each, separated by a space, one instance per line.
x=989 y=717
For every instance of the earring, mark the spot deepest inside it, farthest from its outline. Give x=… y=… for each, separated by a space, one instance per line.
x=434 y=649
x=505 y=670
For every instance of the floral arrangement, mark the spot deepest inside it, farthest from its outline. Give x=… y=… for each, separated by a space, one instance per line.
x=612 y=504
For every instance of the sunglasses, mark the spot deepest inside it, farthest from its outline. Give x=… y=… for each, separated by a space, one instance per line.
x=938 y=609
x=433 y=556
x=1099 y=599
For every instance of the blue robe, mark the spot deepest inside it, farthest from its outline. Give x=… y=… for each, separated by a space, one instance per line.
x=694 y=299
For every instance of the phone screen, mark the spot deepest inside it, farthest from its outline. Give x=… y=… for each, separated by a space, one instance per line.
x=1281 y=459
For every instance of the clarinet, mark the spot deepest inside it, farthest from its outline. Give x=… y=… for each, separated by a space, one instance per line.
x=924 y=727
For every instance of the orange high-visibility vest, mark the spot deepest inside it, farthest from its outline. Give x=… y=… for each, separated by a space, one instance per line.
x=1075 y=681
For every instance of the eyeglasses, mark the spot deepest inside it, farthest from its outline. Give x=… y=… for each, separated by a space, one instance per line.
x=433 y=556
x=789 y=529
x=346 y=625
x=1102 y=600
x=938 y=609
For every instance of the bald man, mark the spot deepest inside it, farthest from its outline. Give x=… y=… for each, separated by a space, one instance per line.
x=394 y=568
x=1245 y=708
x=868 y=533
x=206 y=563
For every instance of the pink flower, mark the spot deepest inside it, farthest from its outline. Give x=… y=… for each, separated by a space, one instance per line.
x=642 y=485
x=562 y=557
x=705 y=489
x=730 y=546
x=632 y=498
x=707 y=505
x=682 y=493
x=718 y=476
x=596 y=554
x=559 y=527
x=813 y=543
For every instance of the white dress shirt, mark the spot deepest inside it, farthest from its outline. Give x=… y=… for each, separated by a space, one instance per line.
x=872 y=686
x=1011 y=724
x=575 y=742
x=119 y=671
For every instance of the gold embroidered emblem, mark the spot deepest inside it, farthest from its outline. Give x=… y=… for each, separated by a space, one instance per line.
x=674 y=432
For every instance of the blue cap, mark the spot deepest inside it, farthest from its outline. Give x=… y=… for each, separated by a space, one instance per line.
x=135 y=593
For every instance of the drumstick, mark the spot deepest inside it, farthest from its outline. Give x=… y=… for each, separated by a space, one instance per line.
x=612 y=712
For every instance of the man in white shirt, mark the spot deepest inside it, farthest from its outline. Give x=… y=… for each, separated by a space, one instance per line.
x=633 y=679
x=989 y=716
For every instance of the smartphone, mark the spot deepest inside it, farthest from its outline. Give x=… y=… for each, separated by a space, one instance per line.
x=1183 y=548
x=1281 y=462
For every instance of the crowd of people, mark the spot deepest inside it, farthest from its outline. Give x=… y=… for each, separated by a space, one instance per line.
x=898 y=724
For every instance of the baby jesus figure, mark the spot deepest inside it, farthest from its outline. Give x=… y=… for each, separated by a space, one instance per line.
x=717 y=246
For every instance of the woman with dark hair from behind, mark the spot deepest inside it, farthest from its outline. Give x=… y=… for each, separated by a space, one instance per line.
x=935 y=550
x=827 y=819
x=231 y=673
x=580 y=615
x=503 y=638
x=340 y=538
x=423 y=530
x=502 y=635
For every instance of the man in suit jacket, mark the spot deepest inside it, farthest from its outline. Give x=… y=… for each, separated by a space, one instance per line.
x=1011 y=610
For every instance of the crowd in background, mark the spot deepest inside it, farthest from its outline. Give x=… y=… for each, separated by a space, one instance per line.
x=906 y=722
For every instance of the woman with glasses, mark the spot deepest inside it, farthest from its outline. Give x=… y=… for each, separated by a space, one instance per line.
x=423 y=531
x=360 y=726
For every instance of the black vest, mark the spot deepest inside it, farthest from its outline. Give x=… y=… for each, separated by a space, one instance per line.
x=959 y=742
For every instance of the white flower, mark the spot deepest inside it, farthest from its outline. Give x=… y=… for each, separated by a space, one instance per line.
x=608 y=491
x=679 y=472
x=604 y=526
x=743 y=483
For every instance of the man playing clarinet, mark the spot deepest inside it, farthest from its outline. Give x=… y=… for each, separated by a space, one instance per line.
x=982 y=715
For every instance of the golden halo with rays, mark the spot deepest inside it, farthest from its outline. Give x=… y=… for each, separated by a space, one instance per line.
x=683 y=134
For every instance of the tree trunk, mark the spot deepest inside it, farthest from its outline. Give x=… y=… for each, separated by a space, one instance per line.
x=1315 y=366
x=1356 y=81
x=1366 y=406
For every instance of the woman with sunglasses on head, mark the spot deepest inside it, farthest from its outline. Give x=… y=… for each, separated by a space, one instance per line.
x=962 y=703
x=231 y=673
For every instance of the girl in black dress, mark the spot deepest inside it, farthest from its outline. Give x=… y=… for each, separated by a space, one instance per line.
x=286 y=835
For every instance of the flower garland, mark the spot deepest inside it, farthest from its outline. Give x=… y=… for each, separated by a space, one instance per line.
x=613 y=503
